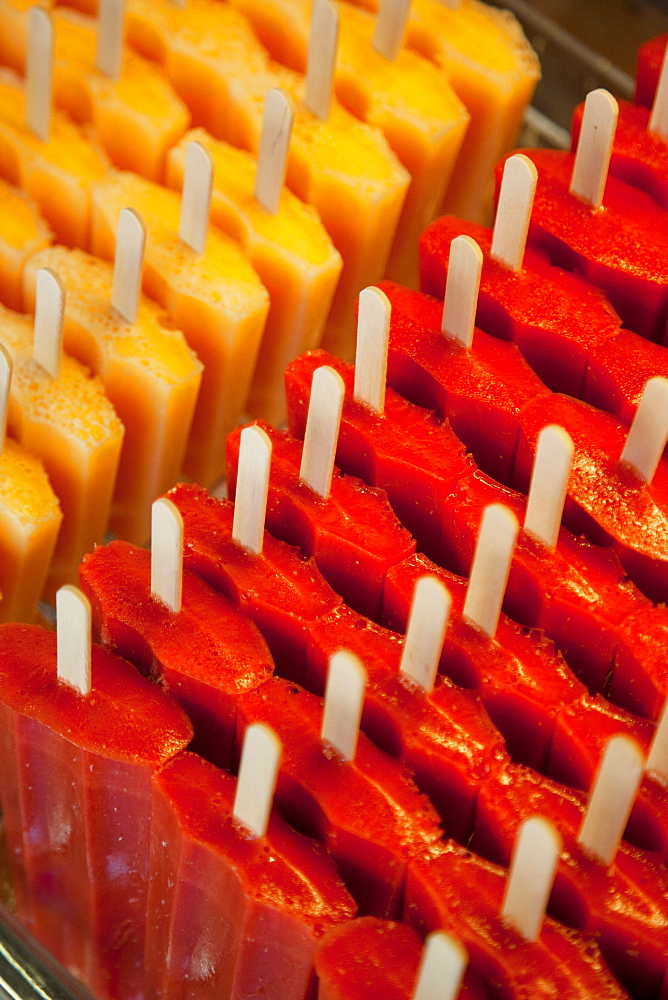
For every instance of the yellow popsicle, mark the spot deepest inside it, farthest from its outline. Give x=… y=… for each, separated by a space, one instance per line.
x=69 y=423
x=149 y=373
x=291 y=253
x=215 y=298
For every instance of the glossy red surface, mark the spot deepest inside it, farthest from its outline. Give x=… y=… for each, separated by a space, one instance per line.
x=625 y=905
x=452 y=889
x=621 y=247
x=475 y=389
x=353 y=535
x=650 y=58
x=206 y=655
x=554 y=317
x=606 y=501
x=367 y=812
x=231 y=915
x=368 y=958
x=407 y=451
x=280 y=590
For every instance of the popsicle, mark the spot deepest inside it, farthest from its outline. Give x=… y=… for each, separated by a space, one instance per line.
x=568 y=226
x=494 y=72
x=365 y=809
x=205 y=654
x=650 y=59
x=408 y=98
x=90 y=737
x=617 y=903
x=150 y=375
x=63 y=416
x=341 y=166
x=288 y=247
x=30 y=518
x=211 y=293
x=351 y=531
x=450 y=888
x=229 y=914
x=24 y=231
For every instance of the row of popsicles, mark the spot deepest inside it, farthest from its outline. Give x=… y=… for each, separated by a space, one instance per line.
x=378 y=830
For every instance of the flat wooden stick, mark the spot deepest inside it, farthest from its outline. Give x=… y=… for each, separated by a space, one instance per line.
x=250 y=505
x=47 y=348
x=611 y=798
x=6 y=367
x=110 y=38
x=592 y=157
x=373 y=335
x=658 y=119
x=73 y=639
x=196 y=197
x=648 y=433
x=491 y=567
x=39 y=73
x=513 y=212
x=461 y=290
x=442 y=968
x=323 y=42
x=272 y=157
x=532 y=870
x=167 y=553
x=344 y=701
x=388 y=35
x=427 y=624
x=128 y=264
x=549 y=482
x=322 y=430
x=657 y=760
x=258 y=774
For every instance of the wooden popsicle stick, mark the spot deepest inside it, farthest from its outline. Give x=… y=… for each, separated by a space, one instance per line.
x=427 y=624
x=49 y=315
x=461 y=290
x=611 y=798
x=322 y=430
x=128 y=264
x=513 y=212
x=648 y=433
x=39 y=73
x=592 y=157
x=6 y=368
x=256 y=782
x=196 y=197
x=167 y=553
x=322 y=46
x=658 y=119
x=491 y=567
x=344 y=701
x=657 y=760
x=373 y=335
x=250 y=506
x=110 y=38
x=73 y=642
x=388 y=34
x=272 y=157
x=529 y=882
x=442 y=968
x=549 y=482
